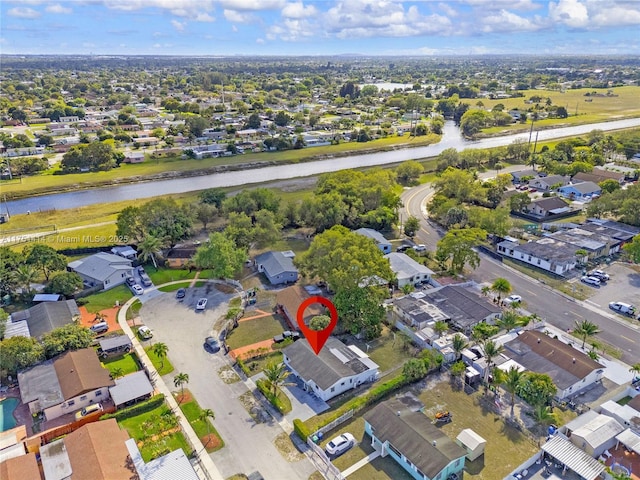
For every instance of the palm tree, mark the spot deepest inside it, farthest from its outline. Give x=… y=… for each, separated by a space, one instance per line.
x=593 y=355
x=117 y=372
x=635 y=369
x=501 y=286
x=512 y=380
x=586 y=329
x=180 y=380
x=160 y=350
x=485 y=290
x=276 y=374
x=205 y=415
x=458 y=344
x=149 y=248
x=491 y=349
x=543 y=414
x=440 y=327
x=25 y=275
x=510 y=320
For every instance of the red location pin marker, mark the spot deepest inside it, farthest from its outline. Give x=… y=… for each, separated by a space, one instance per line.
x=317 y=338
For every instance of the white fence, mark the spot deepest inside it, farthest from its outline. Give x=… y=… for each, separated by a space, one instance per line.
x=323 y=463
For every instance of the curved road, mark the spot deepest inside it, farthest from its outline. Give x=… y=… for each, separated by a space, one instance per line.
x=557 y=309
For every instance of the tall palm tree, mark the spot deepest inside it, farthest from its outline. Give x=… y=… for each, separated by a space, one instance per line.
x=117 y=372
x=160 y=350
x=25 y=275
x=458 y=344
x=491 y=350
x=501 y=286
x=593 y=355
x=510 y=320
x=205 y=415
x=180 y=380
x=585 y=329
x=149 y=247
x=277 y=375
x=543 y=414
x=512 y=380
x=440 y=327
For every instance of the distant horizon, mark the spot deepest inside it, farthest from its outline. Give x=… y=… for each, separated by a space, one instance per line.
x=388 y=28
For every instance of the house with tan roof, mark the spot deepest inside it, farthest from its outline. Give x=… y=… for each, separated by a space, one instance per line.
x=287 y=302
x=65 y=384
x=571 y=370
x=20 y=468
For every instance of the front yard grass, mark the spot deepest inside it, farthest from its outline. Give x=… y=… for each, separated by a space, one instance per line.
x=127 y=363
x=164 y=275
x=107 y=298
x=163 y=366
x=253 y=331
x=205 y=430
x=185 y=284
x=386 y=351
x=257 y=365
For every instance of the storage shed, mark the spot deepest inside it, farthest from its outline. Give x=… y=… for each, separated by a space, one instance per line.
x=472 y=442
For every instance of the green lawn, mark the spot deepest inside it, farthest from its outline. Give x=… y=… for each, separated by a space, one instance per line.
x=165 y=275
x=202 y=428
x=256 y=365
x=127 y=363
x=185 y=284
x=166 y=365
x=107 y=299
x=252 y=331
x=385 y=351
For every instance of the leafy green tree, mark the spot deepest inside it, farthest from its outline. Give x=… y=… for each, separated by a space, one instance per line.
x=483 y=331
x=4 y=316
x=276 y=374
x=163 y=218
x=24 y=276
x=44 y=258
x=511 y=382
x=457 y=370
x=196 y=124
x=93 y=156
x=319 y=322
x=409 y=172
x=282 y=119
x=633 y=249
x=149 y=248
x=213 y=196
x=411 y=226
x=180 y=380
x=117 y=372
x=510 y=320
x=519 y=201
x=458 y=344
x=501 y=286
x=240 y=229
x=72 y=336
x=457 y=246
x=542 y=413
x=221 y=256
x=585 y=329
x=160 y=350
x=267 y=228
x=18 y=353
x=458 y=184
x=251 y=201
x=129 y=225
x=360 y=310
x=253 y=121
x=414 y=369
x=65 y=283
x=343 y=259
x=323 y=211
x=536 y=388
x=205 y=213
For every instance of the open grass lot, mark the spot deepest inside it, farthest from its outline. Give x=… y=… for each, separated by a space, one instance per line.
x=108 y=298
x=256 y=365
x=163 y=366
x=252 y=331
x=164 y=275
x=506 y=447
x=128 y=363
x=203 y=428
x=134 y=172
x=385 y=351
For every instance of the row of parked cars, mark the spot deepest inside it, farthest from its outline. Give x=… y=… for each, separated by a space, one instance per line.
x=595 y=278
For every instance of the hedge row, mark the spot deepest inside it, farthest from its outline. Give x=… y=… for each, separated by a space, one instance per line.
x=137 y=409
x=263 y=386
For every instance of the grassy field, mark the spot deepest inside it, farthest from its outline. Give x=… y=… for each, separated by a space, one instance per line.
x=164 y=275
x=128 y=363
x=203 y=428
x=252 y=331
x=134 y=172
x=163 y=366
x=256 y=365
x=385 y=351
x=107 y=298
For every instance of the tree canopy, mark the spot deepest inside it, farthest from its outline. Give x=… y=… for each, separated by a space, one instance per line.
x=221 y=255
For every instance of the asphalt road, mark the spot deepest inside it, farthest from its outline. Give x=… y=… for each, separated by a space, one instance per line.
x=249 y=445
x=551 y=306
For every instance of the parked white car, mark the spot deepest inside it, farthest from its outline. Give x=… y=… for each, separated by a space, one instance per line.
x=420 y=247
x=593 y=281
x=202 y=304
x=623 y=308
x=511 y=299
x=340 y=444
x=599 y=274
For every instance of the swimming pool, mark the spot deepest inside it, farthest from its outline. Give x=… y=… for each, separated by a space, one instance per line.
x=7 y=406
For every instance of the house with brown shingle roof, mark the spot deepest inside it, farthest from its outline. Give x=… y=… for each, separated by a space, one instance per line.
x=20 y=468
x=289 y=299
x=66 y=384
x=96 y=450
x=571 y=370
x=597 y=175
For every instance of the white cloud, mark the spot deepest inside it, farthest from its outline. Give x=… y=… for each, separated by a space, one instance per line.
x=572 y=13
x=179 y=26
x=613 y=15
x=505 y=21
x=238 y=17
x=298 y=10
x=525 y=5
x=260 y=41
x=448 y=10
x=204 y=17
x=180 y=8
x=23 y=12
x=234 y=28
x=251 y=5
x=57 y=8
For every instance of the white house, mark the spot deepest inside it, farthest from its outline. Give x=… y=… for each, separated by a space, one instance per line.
x=627 y=416
x=103 y=269
x=382 y=243
x=336 y=369
x=407 y=270
x=597 y=435
x=548 y=254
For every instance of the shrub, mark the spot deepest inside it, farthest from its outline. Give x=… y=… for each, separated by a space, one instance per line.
x=301 y=429
x=276 y=401
x=134 y=410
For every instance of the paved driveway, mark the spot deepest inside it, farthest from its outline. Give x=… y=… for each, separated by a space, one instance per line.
x=249 y=445
x=624 y=286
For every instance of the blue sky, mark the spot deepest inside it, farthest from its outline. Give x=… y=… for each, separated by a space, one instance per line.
x=292 y=27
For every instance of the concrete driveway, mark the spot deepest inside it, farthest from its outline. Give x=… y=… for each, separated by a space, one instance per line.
x=249 y=445
x=623 y=286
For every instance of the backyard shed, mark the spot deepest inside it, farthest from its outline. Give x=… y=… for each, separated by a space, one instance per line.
x=472 y=442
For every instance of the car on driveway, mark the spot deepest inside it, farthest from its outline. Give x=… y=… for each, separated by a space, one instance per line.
x=420 y=248
x=211 y=345
x=403 y=248
x=511 y=299
x=137 y=289
x=181 y=293
x=145 y=332
x=340 y=444
x=131 y=281
x=593 y=281
x=202 y=304
x=599 y=274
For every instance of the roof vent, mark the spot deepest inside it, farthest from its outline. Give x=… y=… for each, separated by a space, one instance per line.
x=573 y=359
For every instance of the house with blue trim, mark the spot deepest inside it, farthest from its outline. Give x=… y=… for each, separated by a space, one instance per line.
x=580 y=191
x=418 y=446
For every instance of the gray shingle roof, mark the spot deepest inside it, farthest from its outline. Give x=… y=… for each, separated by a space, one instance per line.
x=100 y=265
x=406 y=267
x=413 y=435
x=130 y=387
x=276 y=263
x=583 y=187
x=464 y=307
x=373 y=234
x=46 y=316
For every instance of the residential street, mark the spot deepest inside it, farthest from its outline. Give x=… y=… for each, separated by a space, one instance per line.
x=249 y=445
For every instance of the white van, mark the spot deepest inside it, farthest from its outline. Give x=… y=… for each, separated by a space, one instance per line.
x=623 y=308
x=100 y=327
